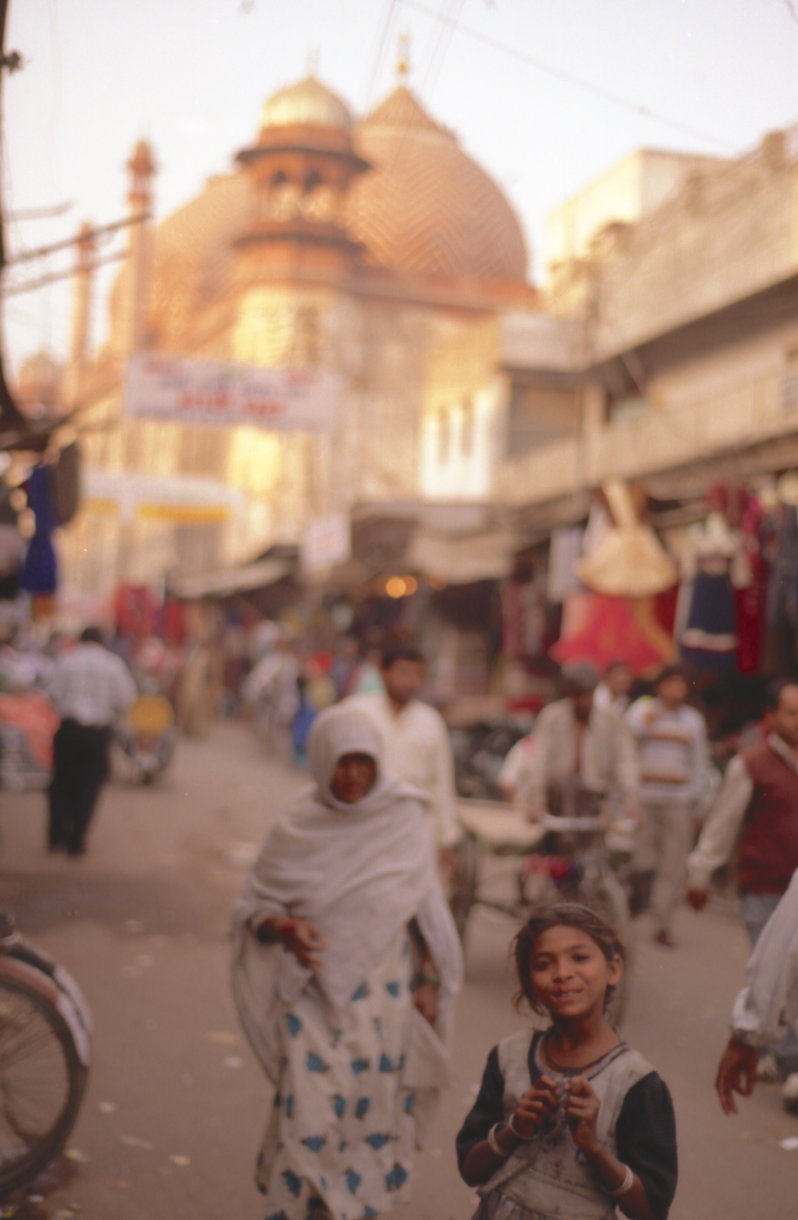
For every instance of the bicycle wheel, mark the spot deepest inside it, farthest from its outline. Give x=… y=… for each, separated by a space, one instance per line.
x=41 y=1082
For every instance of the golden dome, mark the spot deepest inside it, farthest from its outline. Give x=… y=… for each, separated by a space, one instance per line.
x=308 y=103
x=426 y=206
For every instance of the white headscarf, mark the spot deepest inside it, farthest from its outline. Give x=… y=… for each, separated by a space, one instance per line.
x=359 y=872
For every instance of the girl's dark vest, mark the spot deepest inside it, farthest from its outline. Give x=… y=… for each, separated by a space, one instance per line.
x=769 y=840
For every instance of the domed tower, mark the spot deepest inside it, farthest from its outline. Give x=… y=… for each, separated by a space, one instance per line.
x=427 y=207
x=301 y=168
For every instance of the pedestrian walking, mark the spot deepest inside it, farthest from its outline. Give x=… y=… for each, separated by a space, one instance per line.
x=581 y=754
x=755 y=820
x=346 y=965
x=90 y=688
x=417 y=746
x=766 y=1009
x=673 y=760
x=569 y=1121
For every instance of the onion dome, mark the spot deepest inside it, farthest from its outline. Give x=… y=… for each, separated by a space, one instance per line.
x=308 y=103
x=426 y=206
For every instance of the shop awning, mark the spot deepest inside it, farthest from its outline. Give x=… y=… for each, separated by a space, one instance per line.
x=231 y=580
x=464 y=559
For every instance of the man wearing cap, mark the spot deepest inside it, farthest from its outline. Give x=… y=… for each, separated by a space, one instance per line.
x=581 y=754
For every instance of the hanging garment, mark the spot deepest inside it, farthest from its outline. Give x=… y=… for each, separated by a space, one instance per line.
x=715 y=564
x=628 y=560
x=604 y=629
x=40 y=567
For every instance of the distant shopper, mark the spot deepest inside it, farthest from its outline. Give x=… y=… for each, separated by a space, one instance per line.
x=767 y=1007
x=91 y=689
x=673 y=760
x=581 y=754
x=614 y=687
x=417 y=747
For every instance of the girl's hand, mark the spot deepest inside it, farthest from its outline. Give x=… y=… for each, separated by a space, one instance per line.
x=535 y=1107
x=581 y=1110
x=425 y=998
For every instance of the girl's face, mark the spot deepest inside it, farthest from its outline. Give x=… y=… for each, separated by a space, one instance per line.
x=569 y=974
x=353 y=777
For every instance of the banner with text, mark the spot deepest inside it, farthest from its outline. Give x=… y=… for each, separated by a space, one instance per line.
x=225 y=395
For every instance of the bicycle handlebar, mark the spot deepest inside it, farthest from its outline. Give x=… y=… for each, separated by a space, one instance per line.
x=549 y=822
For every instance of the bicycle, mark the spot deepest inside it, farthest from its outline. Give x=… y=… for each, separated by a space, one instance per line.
x=45 y=1055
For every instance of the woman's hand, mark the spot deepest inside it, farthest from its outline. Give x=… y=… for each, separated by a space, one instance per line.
x=305 y=941
x=535 y=1108
x=425 y=998
x=299 y=936
x=581 y=1110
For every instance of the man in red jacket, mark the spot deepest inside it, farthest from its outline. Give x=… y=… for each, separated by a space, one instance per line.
x=756 y=812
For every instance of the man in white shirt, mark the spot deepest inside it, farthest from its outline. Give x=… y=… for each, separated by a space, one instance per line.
x=90 y=688
x=766 y=1008
x=580 y=754
x=417 y=747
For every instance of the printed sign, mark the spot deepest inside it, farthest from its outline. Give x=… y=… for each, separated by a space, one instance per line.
x=225 y=395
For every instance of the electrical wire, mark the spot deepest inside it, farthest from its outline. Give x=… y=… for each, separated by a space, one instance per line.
x=540 y=65
x=389 y=11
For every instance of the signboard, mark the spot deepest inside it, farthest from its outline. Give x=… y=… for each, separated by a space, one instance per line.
x=326 y=541
x=228 y=395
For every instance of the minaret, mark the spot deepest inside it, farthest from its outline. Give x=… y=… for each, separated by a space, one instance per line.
x=81 y=315
x=141 y=167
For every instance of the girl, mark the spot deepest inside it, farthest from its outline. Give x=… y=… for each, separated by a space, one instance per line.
x=345 y=970
x=569 y=1121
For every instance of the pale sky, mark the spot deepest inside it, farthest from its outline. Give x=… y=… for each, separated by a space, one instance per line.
x=191 y=76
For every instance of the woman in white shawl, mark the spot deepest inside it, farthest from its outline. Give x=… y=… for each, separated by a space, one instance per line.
x=346 y=965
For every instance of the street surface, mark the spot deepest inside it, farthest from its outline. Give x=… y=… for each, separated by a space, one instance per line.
x=176 y=1104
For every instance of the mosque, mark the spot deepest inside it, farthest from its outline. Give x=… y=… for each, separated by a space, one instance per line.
x=339 y=247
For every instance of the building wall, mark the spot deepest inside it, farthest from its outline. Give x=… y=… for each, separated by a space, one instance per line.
x=719 y=402
x=628 y=191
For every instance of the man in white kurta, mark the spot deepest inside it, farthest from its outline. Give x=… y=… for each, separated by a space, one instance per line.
x=417 y=748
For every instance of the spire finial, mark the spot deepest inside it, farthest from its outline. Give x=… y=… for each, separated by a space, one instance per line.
x=403 y=60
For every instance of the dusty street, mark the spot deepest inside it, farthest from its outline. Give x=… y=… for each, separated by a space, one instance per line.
x=173 y=1115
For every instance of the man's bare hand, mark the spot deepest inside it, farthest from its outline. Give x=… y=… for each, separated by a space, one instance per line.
x=736 y=1073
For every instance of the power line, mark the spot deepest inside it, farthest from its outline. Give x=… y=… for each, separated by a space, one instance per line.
x=100 y=230
x=45 y=280
x=560 y=74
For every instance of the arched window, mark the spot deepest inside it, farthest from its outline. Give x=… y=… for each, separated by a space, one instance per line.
x=467 y=427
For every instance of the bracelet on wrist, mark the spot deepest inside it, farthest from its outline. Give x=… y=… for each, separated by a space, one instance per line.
x=628 y=1179
x=493 y=1142
x=431 y=980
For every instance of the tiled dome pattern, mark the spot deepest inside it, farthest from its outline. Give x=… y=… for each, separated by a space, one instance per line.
x=426 y=206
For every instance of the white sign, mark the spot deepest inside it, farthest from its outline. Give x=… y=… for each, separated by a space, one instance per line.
x=326 y=541
x=225 y=395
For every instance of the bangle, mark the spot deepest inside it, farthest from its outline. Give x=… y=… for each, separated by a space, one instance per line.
x=493 y=1142
x=433 y=980
x=628 y=1179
